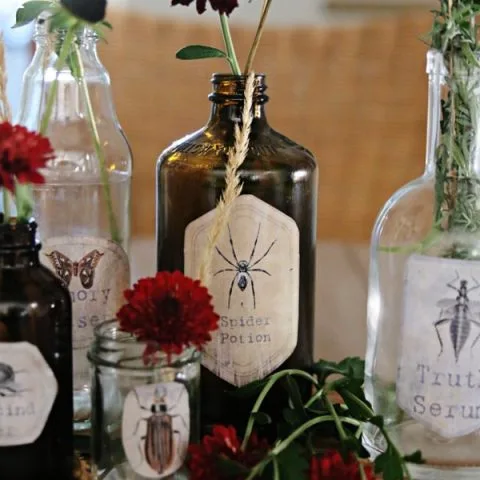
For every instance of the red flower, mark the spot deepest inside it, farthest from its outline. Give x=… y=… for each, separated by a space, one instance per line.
x=22 y=154
x=223 y=443
x=169 y=312
x=222 y=6
x=331 y=466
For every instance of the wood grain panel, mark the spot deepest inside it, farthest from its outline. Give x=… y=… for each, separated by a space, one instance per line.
x=355 y=96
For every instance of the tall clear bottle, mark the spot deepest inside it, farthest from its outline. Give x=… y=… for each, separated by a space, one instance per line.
x=84 y=206
x=423 y=354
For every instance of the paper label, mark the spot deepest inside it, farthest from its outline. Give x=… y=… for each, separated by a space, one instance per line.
x=255 y=289
x=156 y=429
x=439 y=375
x=96 y=272
x=28 y=389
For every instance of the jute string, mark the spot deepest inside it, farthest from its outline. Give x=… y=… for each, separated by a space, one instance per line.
x=233 y=188
x=5 y=110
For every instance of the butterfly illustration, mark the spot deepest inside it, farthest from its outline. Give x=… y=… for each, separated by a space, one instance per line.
x=84 y=269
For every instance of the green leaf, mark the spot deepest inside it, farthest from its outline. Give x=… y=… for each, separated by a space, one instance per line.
x=378 y=421
x=389 y=465
x=74 y=65
x=415 y=457
x=107 y=24
x=262 y=418
x=198 y=52
x=230 y=468
x=61 y=20
x=29 y=11
x=293 y=463
x=351 y=367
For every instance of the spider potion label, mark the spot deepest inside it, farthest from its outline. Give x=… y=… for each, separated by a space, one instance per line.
x=28 y=389
x=255 y=289
x=156 y=429
x=439 y=371
x=96 y=272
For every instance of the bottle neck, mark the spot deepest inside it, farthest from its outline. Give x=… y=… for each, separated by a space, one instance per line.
x=19 y=247
x=228 y=100
x=56 y=92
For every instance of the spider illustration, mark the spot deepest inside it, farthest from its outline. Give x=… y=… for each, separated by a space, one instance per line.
x=244 y=269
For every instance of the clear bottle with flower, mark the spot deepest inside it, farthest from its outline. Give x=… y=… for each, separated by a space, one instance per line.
x=423 y=315
x=83 y=208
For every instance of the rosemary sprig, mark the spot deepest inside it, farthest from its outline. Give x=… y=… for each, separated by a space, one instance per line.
x=457 y=186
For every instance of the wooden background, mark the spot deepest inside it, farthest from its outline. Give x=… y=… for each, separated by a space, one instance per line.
x=355 y=95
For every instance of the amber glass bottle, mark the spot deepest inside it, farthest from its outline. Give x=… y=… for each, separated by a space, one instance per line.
x=263 y=268
x=36 y=401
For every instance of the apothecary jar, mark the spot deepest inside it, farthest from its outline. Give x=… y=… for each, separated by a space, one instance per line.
x=143 y=416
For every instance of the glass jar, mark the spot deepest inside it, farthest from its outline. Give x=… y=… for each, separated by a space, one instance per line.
x=263 y=268
x=83 y=208
x=143 y=417
x=424 y=292
x=36 y=402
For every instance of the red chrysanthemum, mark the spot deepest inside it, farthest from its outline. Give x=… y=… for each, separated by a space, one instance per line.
x=22 y=154
x=170 y=312
x=331 y=466
x=223 y=443
x=221 y=6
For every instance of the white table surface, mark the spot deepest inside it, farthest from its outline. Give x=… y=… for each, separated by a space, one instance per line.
x=341 y=298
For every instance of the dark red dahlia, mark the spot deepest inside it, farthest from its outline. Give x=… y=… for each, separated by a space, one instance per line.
x=331 y=466
x=22 y=154
x=92 y=11
x=170 y=312
x=221 y=6
x=203 y=461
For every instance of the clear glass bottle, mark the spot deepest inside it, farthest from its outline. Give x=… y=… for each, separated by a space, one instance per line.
x=84 y=206
x=143 y=417
x=36 y=402
x=423 y=306
x=263 y=269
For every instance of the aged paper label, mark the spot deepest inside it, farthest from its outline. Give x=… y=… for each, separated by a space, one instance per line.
x=255 y=289
x=96 y=272
x=439 y=375
x=28 y=389
x=156 y=429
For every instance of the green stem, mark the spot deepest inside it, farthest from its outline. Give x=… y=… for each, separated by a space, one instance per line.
x=227 y=37
x=6 y=204
x=258 y=36
x=284 y=444
x=52 y=94
x=368 y=412
x=256 y=407
x=112 y=221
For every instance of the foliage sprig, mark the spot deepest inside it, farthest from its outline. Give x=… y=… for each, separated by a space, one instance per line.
x=457 y=190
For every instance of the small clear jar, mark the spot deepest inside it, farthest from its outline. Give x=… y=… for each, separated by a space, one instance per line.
x=143 y=416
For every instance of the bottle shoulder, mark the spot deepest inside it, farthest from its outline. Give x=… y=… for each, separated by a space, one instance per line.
x=34 y=284
x=209 y=148
x=408 y=214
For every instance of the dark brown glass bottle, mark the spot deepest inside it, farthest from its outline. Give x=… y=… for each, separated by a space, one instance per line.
x=36 y=401
x=263 y=270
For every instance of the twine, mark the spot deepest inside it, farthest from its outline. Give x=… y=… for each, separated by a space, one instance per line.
x=233 y=188
x=5 y=109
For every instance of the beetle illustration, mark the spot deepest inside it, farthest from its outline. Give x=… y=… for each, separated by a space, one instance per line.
x=459 y=314
x=8 y=386
x=158 y=445
x=243 y=269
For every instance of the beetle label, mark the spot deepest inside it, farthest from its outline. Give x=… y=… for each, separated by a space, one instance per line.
x=255 y=288
x=96 y=272
x=156 y=429
x=28 y=389
x=439 y=371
